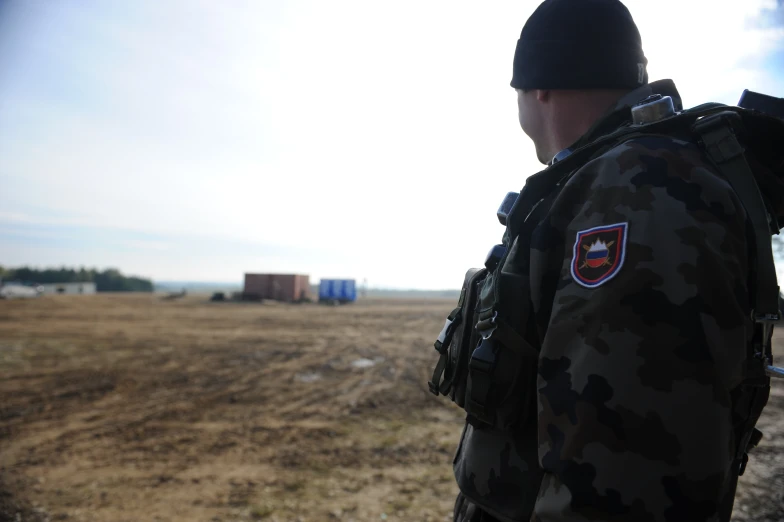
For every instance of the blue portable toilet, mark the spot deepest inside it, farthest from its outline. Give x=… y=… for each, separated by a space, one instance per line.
x=340 y=290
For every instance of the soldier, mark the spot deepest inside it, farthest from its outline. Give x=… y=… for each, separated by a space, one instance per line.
x=631 y=284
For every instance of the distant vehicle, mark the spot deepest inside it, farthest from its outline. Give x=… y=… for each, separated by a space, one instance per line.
x=337 y=291
x=20 y=290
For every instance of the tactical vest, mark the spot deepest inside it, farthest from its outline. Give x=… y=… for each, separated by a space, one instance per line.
x=488 y=351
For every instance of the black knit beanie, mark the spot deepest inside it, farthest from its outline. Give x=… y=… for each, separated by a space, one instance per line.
x=580 y=44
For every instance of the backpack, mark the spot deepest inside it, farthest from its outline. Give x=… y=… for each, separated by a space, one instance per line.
x=745 y=143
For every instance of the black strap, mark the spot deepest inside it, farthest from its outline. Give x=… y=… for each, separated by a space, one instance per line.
x=442 y=347
x=721 y=144
x=438 y=371
x=726 y=152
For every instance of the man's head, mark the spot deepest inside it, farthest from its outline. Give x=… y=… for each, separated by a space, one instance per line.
x=573 y=60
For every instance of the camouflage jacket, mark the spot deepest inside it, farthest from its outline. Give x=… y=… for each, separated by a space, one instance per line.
x=639 y=300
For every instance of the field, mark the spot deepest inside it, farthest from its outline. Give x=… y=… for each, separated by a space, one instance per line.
x=133 y=408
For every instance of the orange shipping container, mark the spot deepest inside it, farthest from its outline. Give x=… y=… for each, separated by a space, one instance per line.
x=278 y=287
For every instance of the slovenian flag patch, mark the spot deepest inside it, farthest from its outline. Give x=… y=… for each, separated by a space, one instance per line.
x=598 y=254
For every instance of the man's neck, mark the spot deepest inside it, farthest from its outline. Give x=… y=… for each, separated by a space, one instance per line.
x=576 y=115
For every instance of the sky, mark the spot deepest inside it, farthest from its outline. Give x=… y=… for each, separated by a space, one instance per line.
x=197 y=140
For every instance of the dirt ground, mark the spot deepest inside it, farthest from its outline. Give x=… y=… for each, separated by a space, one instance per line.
x=134 y=408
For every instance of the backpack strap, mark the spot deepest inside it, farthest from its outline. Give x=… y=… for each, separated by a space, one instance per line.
x=717 y=135
x=720 y=142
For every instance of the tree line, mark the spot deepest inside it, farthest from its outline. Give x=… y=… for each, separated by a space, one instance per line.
x=109 y=280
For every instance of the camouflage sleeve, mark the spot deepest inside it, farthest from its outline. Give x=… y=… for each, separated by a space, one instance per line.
x=645 y=339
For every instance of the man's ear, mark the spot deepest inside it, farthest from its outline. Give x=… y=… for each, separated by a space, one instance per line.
x=543 y=95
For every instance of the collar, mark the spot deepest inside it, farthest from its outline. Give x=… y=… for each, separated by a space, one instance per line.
x=620 y=114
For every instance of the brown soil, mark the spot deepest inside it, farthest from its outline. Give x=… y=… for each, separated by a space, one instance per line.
x=133 y=408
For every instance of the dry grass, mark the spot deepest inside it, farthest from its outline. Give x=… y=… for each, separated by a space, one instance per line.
x=131 y=408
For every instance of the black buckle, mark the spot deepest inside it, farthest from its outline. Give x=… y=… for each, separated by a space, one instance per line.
x=442 y=342
x=483 y=357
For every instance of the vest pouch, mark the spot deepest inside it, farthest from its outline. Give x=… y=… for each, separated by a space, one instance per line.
x=499 y=470
x=456 y=341
x=501 y=381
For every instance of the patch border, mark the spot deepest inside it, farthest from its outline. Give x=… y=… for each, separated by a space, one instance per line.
x=621 y=248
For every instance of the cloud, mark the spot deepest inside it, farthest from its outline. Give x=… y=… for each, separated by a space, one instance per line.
x=771 y=17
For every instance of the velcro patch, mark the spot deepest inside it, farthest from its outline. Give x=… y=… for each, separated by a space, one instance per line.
x=598 y=254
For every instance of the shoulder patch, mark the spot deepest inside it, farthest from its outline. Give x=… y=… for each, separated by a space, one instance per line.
x=598 y=254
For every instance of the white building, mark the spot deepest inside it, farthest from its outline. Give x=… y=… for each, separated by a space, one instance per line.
x=69 y=288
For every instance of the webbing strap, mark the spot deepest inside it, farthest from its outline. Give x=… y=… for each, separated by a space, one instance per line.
x=724 y=149
x=442 y=347
x=438 y=371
